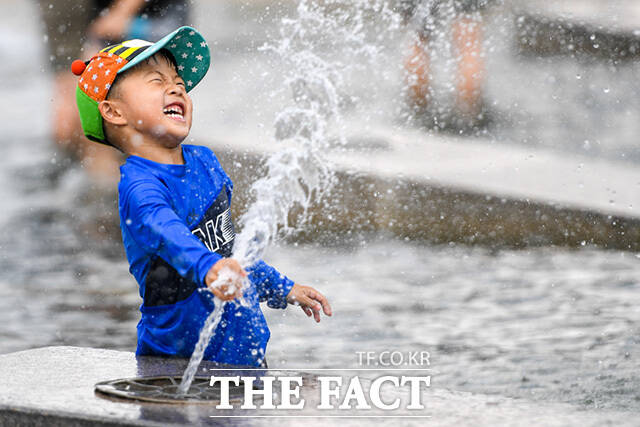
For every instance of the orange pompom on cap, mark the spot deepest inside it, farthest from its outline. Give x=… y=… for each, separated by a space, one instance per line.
x=77 y=67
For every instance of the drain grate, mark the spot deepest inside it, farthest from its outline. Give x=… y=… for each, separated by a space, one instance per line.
x=164 y=389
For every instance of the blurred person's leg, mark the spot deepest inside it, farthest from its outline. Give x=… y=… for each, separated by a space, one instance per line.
x=100 y=161
x=416 y=57
x=66 y=24
x=460 y=22
x=67 y=132
x=467 y=37
x=417 y=72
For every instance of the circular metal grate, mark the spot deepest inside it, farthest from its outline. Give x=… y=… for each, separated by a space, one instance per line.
x=164 y=389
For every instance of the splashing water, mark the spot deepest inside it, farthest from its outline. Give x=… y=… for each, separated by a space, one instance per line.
x=207 y=331
x=300 y=172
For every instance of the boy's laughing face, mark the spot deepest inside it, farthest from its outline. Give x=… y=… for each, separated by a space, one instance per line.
x=155 y=103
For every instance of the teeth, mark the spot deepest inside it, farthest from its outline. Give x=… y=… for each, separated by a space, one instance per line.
x=173 y=109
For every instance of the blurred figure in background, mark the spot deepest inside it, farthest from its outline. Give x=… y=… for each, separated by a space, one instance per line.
x=461 y=21
x=74 y=28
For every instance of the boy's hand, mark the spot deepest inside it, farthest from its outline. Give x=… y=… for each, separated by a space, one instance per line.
x=309 y=300
x=221 y=290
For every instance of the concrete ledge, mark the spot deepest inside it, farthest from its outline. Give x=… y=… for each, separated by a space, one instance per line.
x=30 y=417
x=605 y=30
x=54 y=386
x=424 y=187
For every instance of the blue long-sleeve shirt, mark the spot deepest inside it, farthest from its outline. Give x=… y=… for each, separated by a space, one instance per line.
x=176 y=224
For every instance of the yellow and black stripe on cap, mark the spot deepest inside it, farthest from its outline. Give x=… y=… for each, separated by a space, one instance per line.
x=125 y=52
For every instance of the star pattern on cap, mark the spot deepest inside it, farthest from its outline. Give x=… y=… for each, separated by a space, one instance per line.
x=97 y=78
x=191 y=55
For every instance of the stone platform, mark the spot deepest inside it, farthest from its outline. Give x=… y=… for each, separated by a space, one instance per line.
x=442 y=189
x=601 y=29
x=54 y=386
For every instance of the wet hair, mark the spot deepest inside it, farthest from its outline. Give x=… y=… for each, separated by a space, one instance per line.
x=115 y=90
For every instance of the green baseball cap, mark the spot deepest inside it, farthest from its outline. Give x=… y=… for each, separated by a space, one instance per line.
x=186 y=44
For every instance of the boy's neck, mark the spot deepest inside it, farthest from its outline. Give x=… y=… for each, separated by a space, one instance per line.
x=159 y=154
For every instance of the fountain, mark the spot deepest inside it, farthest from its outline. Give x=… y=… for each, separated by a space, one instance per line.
x=300 y=171
x=427 y=191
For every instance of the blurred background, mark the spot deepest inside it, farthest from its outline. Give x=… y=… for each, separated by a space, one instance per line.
x=484 y=205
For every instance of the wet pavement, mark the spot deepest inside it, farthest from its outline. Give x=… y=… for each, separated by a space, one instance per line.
x=55 y=386
x=542 y=325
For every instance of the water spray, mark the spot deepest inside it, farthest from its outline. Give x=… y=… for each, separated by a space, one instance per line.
x=300 y=173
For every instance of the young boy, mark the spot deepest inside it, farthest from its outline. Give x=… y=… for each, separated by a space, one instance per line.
x=174 y=202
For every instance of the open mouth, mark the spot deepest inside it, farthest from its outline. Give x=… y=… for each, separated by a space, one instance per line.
x=175 y=111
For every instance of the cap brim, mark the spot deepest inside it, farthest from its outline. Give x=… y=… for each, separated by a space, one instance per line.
x=189 y=49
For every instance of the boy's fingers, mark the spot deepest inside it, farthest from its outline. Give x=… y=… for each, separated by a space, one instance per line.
x=306 y=301
x=306 y=311
x=322 y=300
x=229 y=263
x=315 y=307
x=238 y=269
x=212 y=276
x=237 y=290
x=221 y=292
